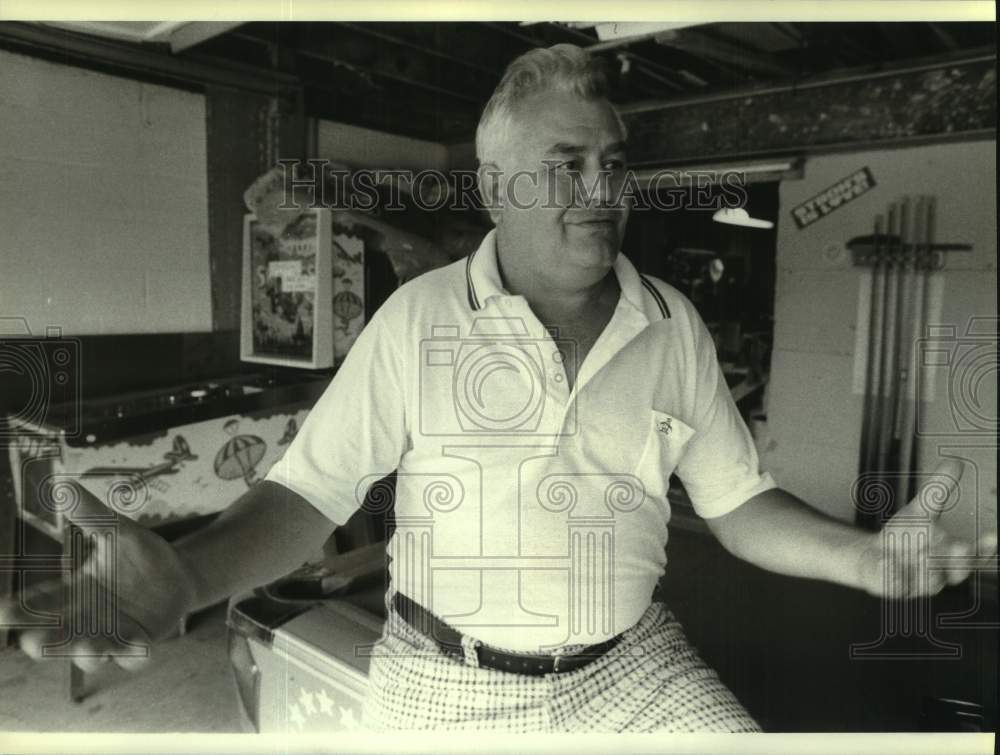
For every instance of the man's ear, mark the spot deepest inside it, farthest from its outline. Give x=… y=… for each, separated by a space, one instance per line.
x=489 y=177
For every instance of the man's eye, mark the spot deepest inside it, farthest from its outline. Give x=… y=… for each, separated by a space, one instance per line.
x=614 y=165
x=568 y=165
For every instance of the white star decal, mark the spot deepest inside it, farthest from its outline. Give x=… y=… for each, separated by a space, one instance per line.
x=325 y=702
x=347 y=719
x=306 y=699
x=296 y=715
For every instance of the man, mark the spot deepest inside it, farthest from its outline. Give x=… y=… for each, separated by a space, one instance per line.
x=534 y=399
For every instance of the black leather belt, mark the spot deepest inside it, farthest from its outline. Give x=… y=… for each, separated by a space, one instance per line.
x=451 y=642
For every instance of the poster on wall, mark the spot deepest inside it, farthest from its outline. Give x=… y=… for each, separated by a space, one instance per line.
x=287 y=316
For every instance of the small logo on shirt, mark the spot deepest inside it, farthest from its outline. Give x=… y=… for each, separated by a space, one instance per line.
x=665 y=426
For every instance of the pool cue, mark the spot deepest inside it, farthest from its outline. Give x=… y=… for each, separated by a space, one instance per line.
x=887 y=382
x=907 y=421
x=928 y=232
x=870 y=414
x=904 y=306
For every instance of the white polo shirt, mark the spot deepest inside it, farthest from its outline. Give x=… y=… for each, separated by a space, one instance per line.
x=528 y=515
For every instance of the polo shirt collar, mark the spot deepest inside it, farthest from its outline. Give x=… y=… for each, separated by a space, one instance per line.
x=482 y=277
x=482 y=273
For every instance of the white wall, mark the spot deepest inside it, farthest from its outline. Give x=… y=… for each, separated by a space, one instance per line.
x=365 y=148
x=815 y=411
x=103 y=202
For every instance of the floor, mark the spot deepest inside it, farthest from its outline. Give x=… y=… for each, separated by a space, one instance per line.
x=188 y=687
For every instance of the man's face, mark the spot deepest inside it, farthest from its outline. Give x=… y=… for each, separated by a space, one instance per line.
x=562 y=213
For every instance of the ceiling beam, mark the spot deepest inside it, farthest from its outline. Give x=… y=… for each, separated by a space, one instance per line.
x=619 y=42
x=698 y=43
x=645 y=71
x=367 y=30
x=189 y=35
x=680 y=76
x=427 y=87
x=314 y=52
x=944 y=36
x=655 y=71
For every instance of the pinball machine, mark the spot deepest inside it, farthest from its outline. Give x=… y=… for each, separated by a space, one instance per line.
x=160 y=456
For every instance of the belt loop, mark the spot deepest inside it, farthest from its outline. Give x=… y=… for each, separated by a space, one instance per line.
x=470 y=649
x=557 y=656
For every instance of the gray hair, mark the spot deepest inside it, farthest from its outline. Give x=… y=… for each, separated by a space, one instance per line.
x=562 y=67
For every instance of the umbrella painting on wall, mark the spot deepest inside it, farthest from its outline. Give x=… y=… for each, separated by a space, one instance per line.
x=240 y=455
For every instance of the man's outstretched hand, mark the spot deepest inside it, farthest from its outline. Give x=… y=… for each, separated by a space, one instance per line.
x=130 y=591
x=913 y=555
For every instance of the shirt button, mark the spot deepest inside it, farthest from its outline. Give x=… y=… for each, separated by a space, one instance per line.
x=557 y=357
x=557 y=377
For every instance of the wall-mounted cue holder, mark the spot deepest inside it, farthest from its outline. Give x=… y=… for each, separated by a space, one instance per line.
x=900 y=257
x=904 y=238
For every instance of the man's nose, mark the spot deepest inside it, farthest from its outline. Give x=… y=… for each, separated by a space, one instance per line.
x=600 y=189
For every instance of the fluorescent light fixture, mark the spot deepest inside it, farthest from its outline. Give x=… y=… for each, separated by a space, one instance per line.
x=739 y=216
x=749 y=172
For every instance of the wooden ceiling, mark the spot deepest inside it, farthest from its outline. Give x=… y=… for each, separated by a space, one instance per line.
x=431 y=80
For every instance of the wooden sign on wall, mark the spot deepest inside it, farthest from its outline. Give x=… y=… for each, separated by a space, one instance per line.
x=828 y=200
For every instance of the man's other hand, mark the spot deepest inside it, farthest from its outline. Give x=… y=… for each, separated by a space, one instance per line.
x=130 y=590
x=913 y=555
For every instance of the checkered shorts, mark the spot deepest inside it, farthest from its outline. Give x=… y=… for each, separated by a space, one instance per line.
x=652 y=680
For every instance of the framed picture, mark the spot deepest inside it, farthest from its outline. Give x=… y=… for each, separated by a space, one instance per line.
x=287 y=312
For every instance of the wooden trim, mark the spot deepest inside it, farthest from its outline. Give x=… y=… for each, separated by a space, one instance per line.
x=237 y=148
x=723 y=161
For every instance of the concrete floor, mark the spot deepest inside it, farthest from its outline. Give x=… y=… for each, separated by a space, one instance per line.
x=188 y=687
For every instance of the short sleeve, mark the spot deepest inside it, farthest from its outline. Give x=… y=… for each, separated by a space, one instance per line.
x=719 y=468
x=356 y=429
